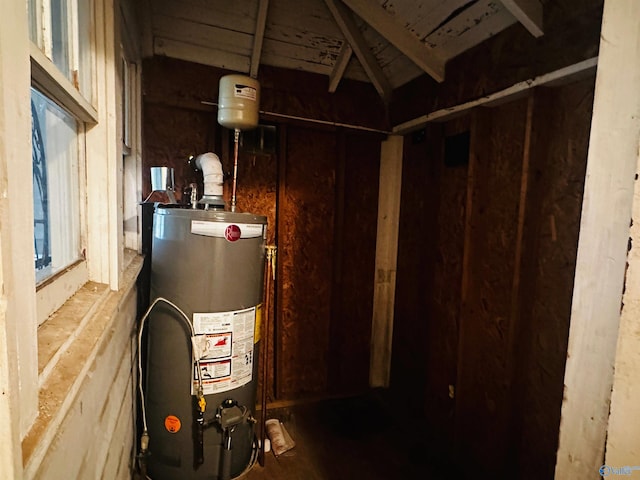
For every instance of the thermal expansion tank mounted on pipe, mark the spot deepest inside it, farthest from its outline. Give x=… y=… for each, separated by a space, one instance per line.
x=238 y=102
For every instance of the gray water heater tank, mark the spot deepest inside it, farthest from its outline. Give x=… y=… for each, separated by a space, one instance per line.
x=211 y=265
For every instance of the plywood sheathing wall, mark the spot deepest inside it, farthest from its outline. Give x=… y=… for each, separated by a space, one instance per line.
x=485 y=274
x=326 y=229
x=319 y=192
x=180 y=118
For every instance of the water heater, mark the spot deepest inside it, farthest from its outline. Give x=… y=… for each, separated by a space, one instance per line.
x=209 y=266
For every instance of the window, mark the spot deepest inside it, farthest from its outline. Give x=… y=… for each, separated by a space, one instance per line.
x=61 y=29
x=55 y=186
x=61 y=111
x=73 y=99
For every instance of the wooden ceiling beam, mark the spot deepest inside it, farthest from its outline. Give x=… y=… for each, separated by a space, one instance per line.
x=528 y=12
x=261 y=23
x=340 y=66
x=422 y=55
x=145 y=11
x=350 y=30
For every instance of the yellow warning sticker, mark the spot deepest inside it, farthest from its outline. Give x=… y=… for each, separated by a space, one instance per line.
x=172 y=424
x=257 y=333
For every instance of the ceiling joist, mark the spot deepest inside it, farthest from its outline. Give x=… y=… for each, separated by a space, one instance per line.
x=394 y=41
x=350 y=30
x=528 y=13
x=261 y=22
x=381 y=21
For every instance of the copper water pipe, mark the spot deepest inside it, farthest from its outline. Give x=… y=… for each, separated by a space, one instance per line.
x=270 y=272
x=236 y=137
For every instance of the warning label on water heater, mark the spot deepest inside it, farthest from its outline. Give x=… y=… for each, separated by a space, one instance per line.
x=224 y=345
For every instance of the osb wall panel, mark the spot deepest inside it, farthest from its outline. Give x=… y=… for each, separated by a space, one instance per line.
x=256 y=187
x=572 y=34
x=485 y=366
x=425 y=335
x=558 y=162
x=301 y=94
x=354 y=264
x=305 y=233
x=444 y=298
x=485 y=276
x=171 y=135
x=283 y=92
x=257 y=193
x=417 y=244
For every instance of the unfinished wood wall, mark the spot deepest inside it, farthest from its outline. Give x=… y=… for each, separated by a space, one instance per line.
x=319 y=192
x=485 y=270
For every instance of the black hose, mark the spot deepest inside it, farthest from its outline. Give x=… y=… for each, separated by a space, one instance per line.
x=198 y=454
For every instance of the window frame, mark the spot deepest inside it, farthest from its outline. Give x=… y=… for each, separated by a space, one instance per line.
x=23 y=64
x=100 y=159
x=131 y=139
x=55 y=85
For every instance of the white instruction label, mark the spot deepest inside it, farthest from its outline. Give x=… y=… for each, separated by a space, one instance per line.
x=245 y=91
x=226 y=352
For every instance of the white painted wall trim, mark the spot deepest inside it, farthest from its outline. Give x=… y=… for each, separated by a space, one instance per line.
x=104 y=159
x=19 y=374
x=602 y=247
x=386 y=260
x=557 y=77
x=623 y=436
x=51 y=81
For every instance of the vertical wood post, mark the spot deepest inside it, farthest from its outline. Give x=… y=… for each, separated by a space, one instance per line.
x=623 y=436
x=602 y=247
x=386 y=259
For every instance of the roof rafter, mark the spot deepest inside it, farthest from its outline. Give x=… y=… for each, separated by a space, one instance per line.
x=261 y=22
x=340 y=66
x=422 y=55
x=350 y=30
x=528 y=13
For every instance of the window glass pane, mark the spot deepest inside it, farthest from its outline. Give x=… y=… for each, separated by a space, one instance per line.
x=33 y=22
x=84 y=48
x=60 y=36
x=55 y=187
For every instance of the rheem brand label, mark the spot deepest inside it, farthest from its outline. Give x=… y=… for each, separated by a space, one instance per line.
x=229 y=231
x=232 y=233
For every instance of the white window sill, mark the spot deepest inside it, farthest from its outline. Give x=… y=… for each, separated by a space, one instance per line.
x=68 y=343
